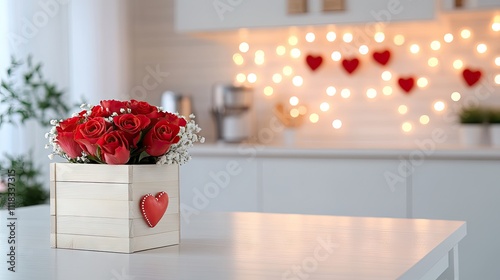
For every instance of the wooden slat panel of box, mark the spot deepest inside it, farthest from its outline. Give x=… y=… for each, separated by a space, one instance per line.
x=98 y=207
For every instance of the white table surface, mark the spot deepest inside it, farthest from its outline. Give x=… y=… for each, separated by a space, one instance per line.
x=246 y=246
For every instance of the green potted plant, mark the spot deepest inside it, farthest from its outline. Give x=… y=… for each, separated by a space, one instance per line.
x=494 y=127
x=27 y=96
x=473 y=128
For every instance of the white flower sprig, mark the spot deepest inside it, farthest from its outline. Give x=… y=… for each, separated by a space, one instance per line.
x=178 y=153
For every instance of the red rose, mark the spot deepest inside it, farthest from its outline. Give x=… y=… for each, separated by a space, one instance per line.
x=144 y=108
x=114 y=148
x=66 y=137
x=131 y=125
x=69 y=125
x=114 y=106
x=89 y=132
x=158 y=140
x=174 y=119
x=98 y=111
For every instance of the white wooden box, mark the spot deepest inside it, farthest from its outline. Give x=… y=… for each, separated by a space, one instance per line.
x=97 y=206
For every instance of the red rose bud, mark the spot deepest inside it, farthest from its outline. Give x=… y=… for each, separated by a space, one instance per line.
x=99 y=111
x=158 y=140
x=144 y=108
x=114 y=148
x=114 y=106
x=88 y=133
x=174 y=119
x=132 y=125
x=69 y=125
x=67 y=143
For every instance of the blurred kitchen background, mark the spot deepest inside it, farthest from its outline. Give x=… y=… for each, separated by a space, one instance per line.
x=140 y=49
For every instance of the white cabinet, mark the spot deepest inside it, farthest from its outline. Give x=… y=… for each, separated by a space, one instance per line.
x=345 y=187
x=212 y=15
x=219 y=184
x=467 y=190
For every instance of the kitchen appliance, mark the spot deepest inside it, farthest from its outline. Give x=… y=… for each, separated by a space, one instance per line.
x=176 y=102
x=232 y=111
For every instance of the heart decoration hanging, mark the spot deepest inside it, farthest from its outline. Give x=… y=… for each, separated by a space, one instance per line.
x=471 y=76
x=350 y=65
x=406 y=84
x=154 y=207
x=383 y=57
x=314 y=62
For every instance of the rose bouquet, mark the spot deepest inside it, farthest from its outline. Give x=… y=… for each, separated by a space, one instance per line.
x=123 y=132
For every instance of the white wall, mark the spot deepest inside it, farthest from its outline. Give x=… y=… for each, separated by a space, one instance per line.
x=196 y=61
x=83 y=46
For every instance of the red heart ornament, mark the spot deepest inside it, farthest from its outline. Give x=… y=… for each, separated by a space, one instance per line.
x=153 y=207
x=382 y=57
x=350 y=65
x=471 y=77
x=406 y=83
x=314 y=61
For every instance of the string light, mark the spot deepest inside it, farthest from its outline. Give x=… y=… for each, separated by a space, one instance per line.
x=336 y=56
x=294 y=101
x=347 y=37
x=481 y=48
x=337 y=124
x=240 y=78
x=497 y=79
x=252 y=78
x=277 y=78
x=497 y=61
x=407 y=127
x=268 y=91
x=297 y=81
x=371 y=93
x=379 y=37
x=399 y=40
x=310 y=37
x=386 y=76
x=424 y=119
x=414 y=48
x=439 y=106
x=465 y=33
x=433 y=62
x=422 y=82
x=238 y=59
x=387 y=90
x=280 y=50
x=287 y=70
x=363 y=49
x=435 y=45
x=314 y=118
x=402 y=109
x=295 y=53
x=331 y=36
x=293 y=40
x=331 y=91
x=294 y=112
x=345 y=93
x=458 y=64
x=244 y=47
x=259 y=57
x=324 y=106
x=455 y=96
x=495 y=26
x=448 y=37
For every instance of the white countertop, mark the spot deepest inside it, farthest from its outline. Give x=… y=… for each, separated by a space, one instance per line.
x=324 y=150
x=248 y=246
